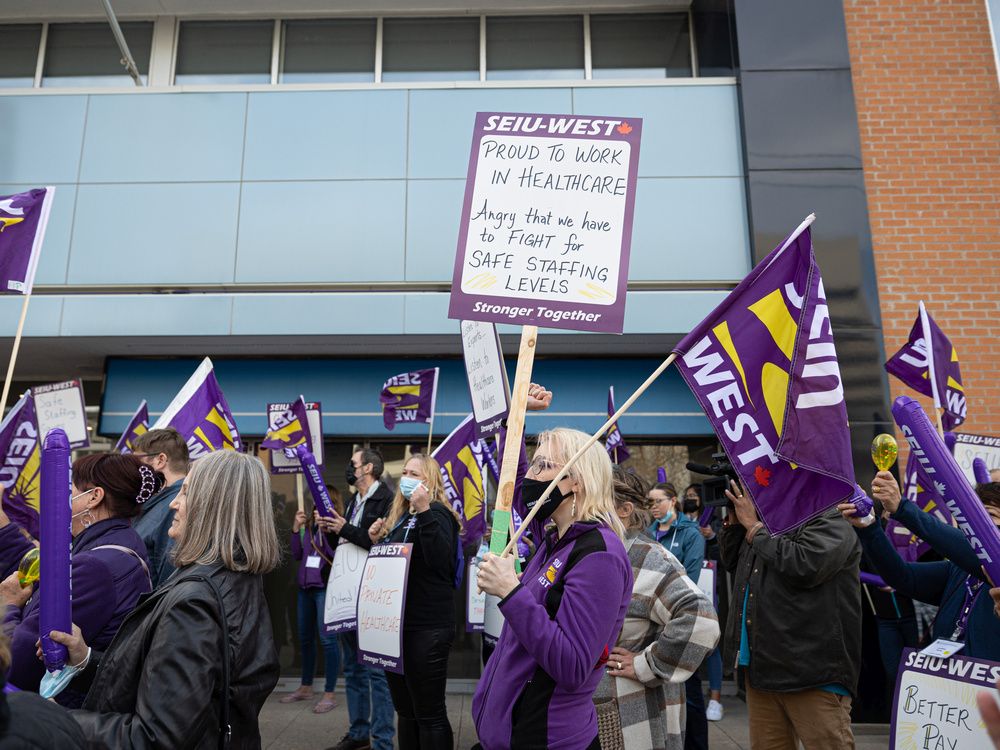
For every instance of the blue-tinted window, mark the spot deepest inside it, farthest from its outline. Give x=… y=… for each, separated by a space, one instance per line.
x=329 y=50
x=430 y=49
x=534 y=47
x=642 y=45
x=224 y=52
x=86 y=54
x=19 y=54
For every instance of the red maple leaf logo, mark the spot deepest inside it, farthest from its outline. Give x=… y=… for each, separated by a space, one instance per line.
x=624 y=128
x=762 y=476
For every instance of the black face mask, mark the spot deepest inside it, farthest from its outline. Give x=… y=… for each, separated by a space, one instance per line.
x=531 y=491
x=349 y=474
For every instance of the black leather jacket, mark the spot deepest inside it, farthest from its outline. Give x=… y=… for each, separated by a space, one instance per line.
x=158 y=685
x=803 y=606
x=376 y=507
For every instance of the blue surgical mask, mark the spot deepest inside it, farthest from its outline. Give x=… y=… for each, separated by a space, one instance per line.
x=407 y=485
x=666 y=517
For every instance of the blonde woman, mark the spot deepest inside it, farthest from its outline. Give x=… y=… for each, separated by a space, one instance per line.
x=420 y=514
x=563 y=616
x=196 y=659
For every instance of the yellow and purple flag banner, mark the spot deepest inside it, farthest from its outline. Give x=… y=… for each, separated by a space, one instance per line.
x=931 y=368
x=200 y=413
x=138 y=425
x=919 y=489
x=615 y=443
x=409 y=397
x=764 y=368
x=20 y=471
x=462 y=459
x=291 y=428
x=23 y=218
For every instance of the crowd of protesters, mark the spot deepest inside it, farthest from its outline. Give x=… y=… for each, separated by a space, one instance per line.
x=606 y=629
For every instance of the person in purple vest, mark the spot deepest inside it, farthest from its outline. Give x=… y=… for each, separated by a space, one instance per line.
x=564 y=614
x=315 y=556
x=110 y=570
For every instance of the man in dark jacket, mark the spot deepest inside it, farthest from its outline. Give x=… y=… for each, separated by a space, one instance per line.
x=369 y=704
x=165 y=452
x=794 y=626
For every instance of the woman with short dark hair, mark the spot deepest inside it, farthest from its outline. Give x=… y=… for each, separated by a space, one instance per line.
x=109 y=566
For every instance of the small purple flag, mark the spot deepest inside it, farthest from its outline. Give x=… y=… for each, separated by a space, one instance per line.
x=200 y=413
x=919 y=490
x=764 y=368
x=291 y=429
x=409 y=397
x=138 y=425
x=462 y=459
x=23 y=218
x=615 y=443
x=20 y=472
x=914 y=363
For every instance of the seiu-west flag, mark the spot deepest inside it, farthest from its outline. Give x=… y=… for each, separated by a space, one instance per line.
x=462 y=458
x=199 y=412
x=918 y=489
x=913 y=364
x=290 y=429
x=23 y=218
x=19 y=474
x=138 y=425
x=615 y=443
x=764 y=368
x=409 y=397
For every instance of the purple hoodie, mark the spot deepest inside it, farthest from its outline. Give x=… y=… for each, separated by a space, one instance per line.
x=312 y=577
x=560 y=623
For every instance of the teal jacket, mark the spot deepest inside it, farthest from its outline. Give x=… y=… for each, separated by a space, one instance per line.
x=684 y=541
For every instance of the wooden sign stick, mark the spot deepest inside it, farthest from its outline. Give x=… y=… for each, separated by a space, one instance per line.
x=583 y=449
x=13 y=355
x=512 y=445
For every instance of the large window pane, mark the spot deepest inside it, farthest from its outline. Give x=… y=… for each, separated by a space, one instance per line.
x=336 y=50
x=640 y=46
x=224 y=52
x=534 y=47
x=19 y=54
x=430 y=49
x=715 y=41
x=86 y=54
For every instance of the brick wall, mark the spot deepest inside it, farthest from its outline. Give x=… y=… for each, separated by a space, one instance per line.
x=928 y=106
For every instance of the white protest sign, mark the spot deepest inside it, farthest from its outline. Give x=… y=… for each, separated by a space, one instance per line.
x=706 y=579
x=380 y=606
x=61 y=405
x=475 y=602
x=282 y=464
x=487 y=376
x=935 y=702
x=340 y=610
x=968 y=447
x=492 y=620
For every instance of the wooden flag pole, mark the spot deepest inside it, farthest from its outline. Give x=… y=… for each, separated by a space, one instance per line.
x=512 y=445
x=13 y=355
x=931 y=375
x=430 y=434
x=583 y=449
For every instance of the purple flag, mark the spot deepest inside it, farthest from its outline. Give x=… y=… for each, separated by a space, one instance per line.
x=23 y=218
x=20 y=472
x=764 y=368
x=919 y=490
x=409 y=397
x=915 y=361
x=291 y=428
x=462 y=459
x=200 y=413
x=615 y=443
x=138 y=425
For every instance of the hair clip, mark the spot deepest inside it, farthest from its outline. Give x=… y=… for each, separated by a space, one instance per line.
x=148 y=487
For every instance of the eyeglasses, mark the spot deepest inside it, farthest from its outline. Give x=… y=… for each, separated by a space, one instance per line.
x=541 y=464
x=145 y=455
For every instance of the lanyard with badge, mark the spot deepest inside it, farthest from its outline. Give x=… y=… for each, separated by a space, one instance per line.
x=314 y=560
x=945 y=648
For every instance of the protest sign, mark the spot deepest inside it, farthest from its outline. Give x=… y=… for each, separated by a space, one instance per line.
x=487 y=376
x=707 y=580
x=61 y=405
x=547 y=221
x=969 y=447
x=934 y=705
x=475 y=601
x=340 y=611
x=380 y=606
x=283 y=464
x=492 y=620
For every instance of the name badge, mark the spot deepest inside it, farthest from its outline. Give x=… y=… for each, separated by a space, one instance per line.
x=313 y=561
x=943 y=648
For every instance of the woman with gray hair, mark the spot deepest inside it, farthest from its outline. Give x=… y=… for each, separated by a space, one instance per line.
x=193 y=663
x=669 y=629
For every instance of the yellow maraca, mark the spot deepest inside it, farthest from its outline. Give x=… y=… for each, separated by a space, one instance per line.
x=884 y=451
x=27 y=571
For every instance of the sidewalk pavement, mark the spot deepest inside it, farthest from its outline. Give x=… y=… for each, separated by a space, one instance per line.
x=294 y=726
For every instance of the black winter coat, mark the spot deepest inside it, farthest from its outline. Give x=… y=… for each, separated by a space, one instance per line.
x=159 y=683
x=803 y=607
x=29 y=722
x=376 y=507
